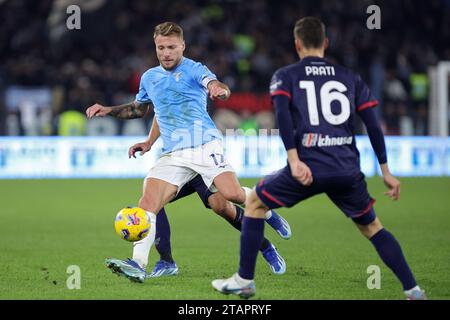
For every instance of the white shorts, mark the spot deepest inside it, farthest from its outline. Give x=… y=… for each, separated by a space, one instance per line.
x=181 y=166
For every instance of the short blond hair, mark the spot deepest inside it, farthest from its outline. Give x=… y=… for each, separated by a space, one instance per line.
x=166 y=29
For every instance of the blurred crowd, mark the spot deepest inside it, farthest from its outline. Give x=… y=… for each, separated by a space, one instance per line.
x=49 y=74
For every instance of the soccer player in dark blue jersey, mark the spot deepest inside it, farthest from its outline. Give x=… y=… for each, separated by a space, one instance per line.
x=315 y=103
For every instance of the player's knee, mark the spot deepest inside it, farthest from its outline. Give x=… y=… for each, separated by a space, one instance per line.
x=254 y=200
x=235 y=196
x=370 y=229
x=148 y=203
x=255 y=207
x=218 y=204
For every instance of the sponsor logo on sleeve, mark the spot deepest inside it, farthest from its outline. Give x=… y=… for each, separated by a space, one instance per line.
x=275 y=84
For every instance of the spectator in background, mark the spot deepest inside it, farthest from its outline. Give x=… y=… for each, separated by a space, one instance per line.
x=248 y=126
x=395 y=97
x=419 y=96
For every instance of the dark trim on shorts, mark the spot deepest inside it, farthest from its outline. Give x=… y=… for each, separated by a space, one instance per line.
x=264 y=196
x=367 y=210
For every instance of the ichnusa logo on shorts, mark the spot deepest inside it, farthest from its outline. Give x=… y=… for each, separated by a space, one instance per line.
x=320 y=140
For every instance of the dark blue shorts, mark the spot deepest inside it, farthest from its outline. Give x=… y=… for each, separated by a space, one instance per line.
x=348 y=192
x=195 y=185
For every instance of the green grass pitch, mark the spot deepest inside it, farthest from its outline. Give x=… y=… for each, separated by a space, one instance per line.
x=48 y=225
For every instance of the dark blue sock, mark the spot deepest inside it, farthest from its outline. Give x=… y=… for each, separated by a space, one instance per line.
x=239 y=215
x=162 y=236
x=237 y=223
x=252 y=235
x=390 y=252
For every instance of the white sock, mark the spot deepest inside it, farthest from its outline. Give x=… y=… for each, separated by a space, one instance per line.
x=141 y=248
x=410 y=291
x=268 y=215
x=241 y=281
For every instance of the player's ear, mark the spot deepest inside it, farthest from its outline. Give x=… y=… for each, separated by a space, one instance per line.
x=184 y=45
x=298 y=45
x=326 y=42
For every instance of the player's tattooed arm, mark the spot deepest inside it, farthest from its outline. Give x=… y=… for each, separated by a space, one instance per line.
x=132 y=110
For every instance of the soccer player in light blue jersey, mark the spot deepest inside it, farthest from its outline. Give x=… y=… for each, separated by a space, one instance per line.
x=178 y=89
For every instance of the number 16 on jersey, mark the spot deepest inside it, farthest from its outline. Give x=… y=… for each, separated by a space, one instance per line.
x=329 y=92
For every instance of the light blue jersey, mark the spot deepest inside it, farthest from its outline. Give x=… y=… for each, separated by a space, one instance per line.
x=179 y=97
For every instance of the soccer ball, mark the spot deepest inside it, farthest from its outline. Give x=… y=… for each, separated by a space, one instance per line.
x=132 y=224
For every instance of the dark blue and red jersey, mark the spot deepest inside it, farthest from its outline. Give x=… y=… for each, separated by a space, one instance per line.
x=317 y=119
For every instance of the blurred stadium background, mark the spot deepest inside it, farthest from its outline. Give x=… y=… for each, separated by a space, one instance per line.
x=49 y=75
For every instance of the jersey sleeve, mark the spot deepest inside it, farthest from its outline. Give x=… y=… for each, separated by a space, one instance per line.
x=142 y=95
x=284 y=120
x=280 y=85
x=364 y=103
x=280 y=91
x=203 y=75
x=363 y=96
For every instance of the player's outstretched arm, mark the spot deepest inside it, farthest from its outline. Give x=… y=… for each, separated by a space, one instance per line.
x=368 y=116
x=218 y=90
x=145 y=146
x=132 y=110
x=299 y=170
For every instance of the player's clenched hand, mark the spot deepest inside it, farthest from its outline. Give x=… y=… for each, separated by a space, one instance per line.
x=216 y=90
x=394 y=186
x=97 y=110
x=301 y=172
x=143 y=147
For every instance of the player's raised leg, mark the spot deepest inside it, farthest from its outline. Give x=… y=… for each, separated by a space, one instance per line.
x=390 y=252
x=166 y=266
x=222 y=175
x=233 y=213
x=211 y=164
x=229 y=186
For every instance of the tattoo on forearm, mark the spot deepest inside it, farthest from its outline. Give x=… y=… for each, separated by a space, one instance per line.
x=132 y=110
